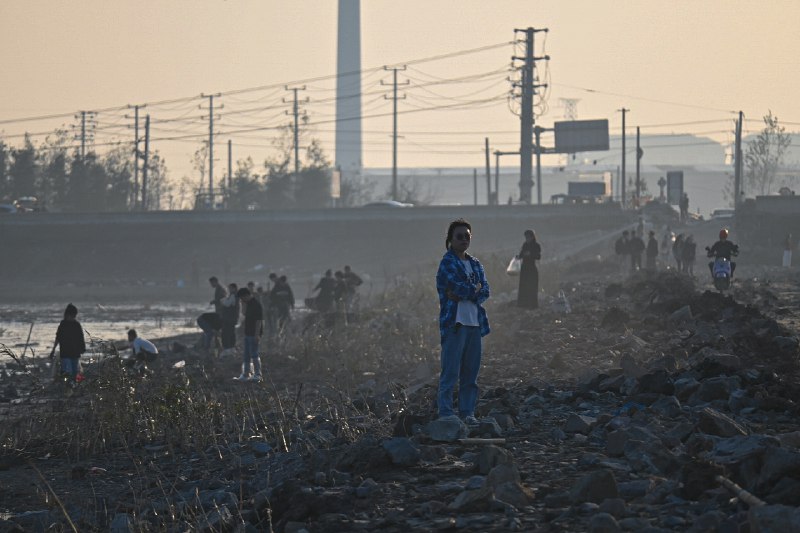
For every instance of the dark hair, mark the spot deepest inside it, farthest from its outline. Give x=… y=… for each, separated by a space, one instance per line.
x=244 y=291
x=213 y=279
x=339 y=274
x=132 y=333
x=253 y=283
x=71 y=310
x=282 y=278
x=328 y=272
x=273 y=275
x=235 y=287
x=531 y=233
x=453 y=225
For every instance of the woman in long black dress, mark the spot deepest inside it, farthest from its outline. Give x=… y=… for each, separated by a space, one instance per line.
x=529 y=275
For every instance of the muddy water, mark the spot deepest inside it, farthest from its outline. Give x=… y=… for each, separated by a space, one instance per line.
x=102 y=322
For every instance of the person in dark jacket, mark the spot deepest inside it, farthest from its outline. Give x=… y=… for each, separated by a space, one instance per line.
x=689 y=254
x=69 y=336
x=636 y=247
x=231 y=309
x=652 y=251
x=531 y=251
x=282 y=299
x=253 y=331
x=327 y=289
x=723 y=248
x=622 y=249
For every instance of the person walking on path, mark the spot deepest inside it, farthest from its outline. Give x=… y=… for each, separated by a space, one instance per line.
x=622 y=249
x=652 y=252
x=677 y=251
x=636 y=247
x=69 y=336
x=683 y=204
x=528 y=294
x=208 y=322
x=230 y=317
x=462 y=287
x=688 y=255
x=253 y=330
x=143 y=350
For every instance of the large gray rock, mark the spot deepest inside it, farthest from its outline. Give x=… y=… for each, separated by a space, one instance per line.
x=712 y=422
x=718 y=388
x=603 y=523
x=489 y=427
x=492 y=456
x=503 y=473
x=514 y=493
x=778 y=463
x=773 y=519
x=668 y=406
x=658 y=382
x=402 y=451
x=595 y=487
x=474 y=501
x=579 y=424
x=448 y=429
x=736 y=449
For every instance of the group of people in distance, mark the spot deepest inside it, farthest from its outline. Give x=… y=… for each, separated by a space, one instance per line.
x=72 y=344
x=630 y=247
x=337 y=291
x=264 y=311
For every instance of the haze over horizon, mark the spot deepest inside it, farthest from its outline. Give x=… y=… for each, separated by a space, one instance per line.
x=680 y=67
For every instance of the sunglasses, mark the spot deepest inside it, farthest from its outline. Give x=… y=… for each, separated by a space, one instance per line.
x=462 y=237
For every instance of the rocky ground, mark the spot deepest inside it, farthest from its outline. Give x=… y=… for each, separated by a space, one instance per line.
x=652 y=405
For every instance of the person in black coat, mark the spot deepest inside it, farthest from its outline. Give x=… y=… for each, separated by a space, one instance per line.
x=531 y=252
x=69 y=336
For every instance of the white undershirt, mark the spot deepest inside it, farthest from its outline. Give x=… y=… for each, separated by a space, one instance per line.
x=467 y=313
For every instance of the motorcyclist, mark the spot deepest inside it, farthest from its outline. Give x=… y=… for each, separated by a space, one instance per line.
x=723 y=248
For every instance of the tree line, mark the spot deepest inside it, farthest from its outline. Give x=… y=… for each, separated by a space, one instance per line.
x=62 y=180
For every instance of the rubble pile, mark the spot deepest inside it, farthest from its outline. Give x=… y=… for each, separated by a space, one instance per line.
x=650 y=406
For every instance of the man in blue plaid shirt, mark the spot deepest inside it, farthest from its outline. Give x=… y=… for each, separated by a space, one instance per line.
x=462 y=287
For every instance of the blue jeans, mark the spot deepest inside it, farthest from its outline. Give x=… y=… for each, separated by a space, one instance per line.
x=70 y=366
x=461 y=360
x=251 y=354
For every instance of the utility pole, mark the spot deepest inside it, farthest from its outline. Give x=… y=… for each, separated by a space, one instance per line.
x=527 y=119
x=230 y=166
x=83 y=136
x=475 y=185
x=537 y=131
x=622 y=176
x=296 y=113
x=497 y=175
x=211 y=146
x=135 y=156
x=394 y=126
x=638 y=175
x=146 y=161
x=737 y=160
x=488 y=175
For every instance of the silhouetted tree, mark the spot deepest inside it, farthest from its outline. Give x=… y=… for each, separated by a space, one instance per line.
x=23 y=170
x=765 y=154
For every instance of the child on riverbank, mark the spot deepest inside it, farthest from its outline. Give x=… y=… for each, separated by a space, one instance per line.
x=69 y=336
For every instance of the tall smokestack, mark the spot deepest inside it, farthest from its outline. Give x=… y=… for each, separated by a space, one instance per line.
x=348 y=90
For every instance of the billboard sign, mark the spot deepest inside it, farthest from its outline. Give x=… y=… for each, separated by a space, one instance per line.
x=581 y=136
x=674 y=186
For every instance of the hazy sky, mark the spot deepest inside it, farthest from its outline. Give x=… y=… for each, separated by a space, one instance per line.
x=711 y=56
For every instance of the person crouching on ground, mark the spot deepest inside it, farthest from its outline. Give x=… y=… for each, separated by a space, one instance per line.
x=462 y=287
x=143 y=350
x=69 y=336
x=253 y=330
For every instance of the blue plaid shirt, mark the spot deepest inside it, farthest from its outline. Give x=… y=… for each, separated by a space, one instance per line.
x=452 y=276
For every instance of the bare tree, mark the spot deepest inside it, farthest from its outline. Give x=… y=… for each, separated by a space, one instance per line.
x=765 y=155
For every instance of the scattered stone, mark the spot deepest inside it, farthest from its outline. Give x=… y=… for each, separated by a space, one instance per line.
x=712 y=422
x=448 y=429
x=579 y=424
x=614 y=506
x=366 y=488
x=603 y=523
x=489 y=428
x=491 y=456
x=773 y=519
x=683 y=314
x=595 y=487
x=402 y=451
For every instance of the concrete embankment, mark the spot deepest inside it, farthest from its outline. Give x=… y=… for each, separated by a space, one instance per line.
x=59 y=250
